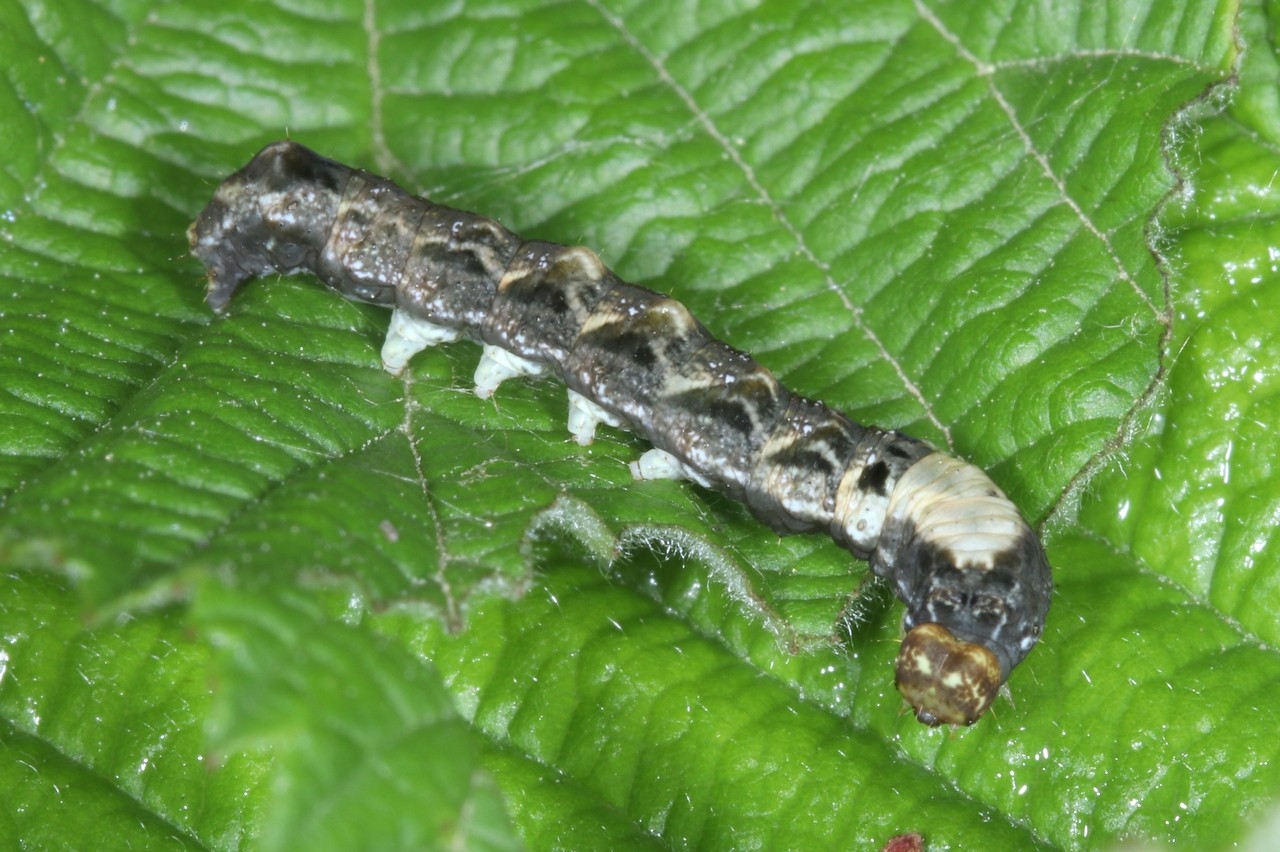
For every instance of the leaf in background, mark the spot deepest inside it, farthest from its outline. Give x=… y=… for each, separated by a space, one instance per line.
x=936 y=216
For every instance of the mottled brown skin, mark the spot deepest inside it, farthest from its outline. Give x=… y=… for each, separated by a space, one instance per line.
x=973 y=610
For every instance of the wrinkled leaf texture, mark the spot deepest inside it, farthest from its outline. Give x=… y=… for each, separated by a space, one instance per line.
x=260 y=593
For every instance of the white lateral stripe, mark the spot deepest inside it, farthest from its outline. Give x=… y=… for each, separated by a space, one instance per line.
x=955 y=505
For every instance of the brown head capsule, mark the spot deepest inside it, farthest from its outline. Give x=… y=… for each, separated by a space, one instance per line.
x=946 y=680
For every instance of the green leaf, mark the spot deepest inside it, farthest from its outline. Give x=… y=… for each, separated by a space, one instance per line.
x=259 y=593
x=367 y=748
x=1194 y=498
x=102 y=739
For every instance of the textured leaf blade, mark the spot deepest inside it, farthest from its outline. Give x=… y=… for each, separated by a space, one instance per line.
x=102 y=734
x=1194 y=499
x=879 y=204
x=682 y=736
x=366 y=746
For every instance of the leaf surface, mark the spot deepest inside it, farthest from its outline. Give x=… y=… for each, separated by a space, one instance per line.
x=259 y=591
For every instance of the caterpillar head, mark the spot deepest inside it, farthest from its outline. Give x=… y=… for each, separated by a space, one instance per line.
x=947 y=680
x=975 y=581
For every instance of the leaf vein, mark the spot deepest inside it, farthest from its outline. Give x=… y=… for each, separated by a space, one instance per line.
x=779 y=214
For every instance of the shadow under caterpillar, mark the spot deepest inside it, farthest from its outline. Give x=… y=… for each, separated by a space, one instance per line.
x=971 y=572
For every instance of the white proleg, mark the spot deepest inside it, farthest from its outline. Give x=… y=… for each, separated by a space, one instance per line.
x=660 y=464
x=497 y=365
x=407 y=336
x=585 y=415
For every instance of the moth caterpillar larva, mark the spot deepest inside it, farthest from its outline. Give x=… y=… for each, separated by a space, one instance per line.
x=972 y=573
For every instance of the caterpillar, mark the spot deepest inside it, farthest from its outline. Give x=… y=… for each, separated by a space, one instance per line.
x=971 y=572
